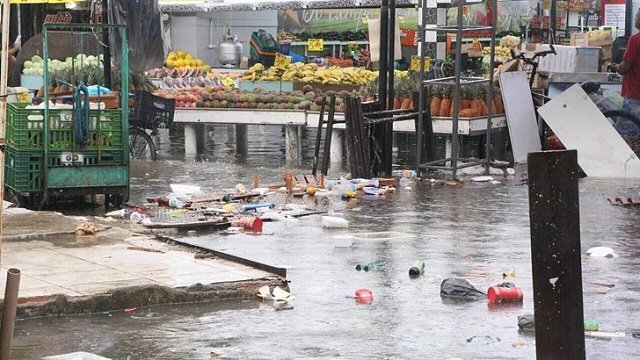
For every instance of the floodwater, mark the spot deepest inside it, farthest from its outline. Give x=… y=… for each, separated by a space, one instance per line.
x=478 y=231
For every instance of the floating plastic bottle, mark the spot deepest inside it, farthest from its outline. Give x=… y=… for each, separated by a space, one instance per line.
x=590 y=325
x=416 y=269
x=256 y=206
x=175 y=203
x=374 y=266
x=366 y=182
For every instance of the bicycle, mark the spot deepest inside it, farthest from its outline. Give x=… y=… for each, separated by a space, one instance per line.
x=148 y=113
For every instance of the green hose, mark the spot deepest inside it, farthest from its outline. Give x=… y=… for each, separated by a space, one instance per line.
x=81 y=117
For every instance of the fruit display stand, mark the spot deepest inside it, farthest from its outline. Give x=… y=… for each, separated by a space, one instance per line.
x=66 y=151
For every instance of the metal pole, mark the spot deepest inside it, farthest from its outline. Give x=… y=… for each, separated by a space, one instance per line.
x=4 y=72
x=552 y=22
x=105 y=39
x=494 y=17
x=419 y=125
x=388 y=127
x=9 y=312
x=456 y=92
x=628 y=18
x=384 y=33
x=554 y=214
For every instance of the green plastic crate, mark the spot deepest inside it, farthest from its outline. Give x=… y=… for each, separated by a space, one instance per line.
x=25 y=129
x=24 y=170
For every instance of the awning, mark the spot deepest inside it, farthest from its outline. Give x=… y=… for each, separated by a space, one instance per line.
x=173 y=6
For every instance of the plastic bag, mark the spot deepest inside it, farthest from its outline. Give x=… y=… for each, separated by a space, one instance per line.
x=460 y=289
x=526 y=323
x=146 y=49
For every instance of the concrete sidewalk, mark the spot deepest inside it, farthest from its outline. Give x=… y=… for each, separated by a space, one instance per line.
x=114 y=269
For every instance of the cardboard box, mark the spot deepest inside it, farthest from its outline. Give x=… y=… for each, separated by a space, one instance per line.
x=579 y=39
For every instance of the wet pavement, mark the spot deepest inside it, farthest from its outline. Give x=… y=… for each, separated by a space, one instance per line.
x=477 y=231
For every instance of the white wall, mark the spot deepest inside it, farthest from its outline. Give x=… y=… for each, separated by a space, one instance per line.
x=192 y=33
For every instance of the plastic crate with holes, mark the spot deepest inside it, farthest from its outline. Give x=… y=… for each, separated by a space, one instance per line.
x=25 y=129
x=149 y=111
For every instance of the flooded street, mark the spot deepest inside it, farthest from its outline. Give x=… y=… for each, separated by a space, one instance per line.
x=478 y=231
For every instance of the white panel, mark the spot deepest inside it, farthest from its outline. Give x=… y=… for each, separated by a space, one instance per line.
x=521 y=116
x=578 y=124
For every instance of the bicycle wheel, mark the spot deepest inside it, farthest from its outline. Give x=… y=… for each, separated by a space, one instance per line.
x=141 y=145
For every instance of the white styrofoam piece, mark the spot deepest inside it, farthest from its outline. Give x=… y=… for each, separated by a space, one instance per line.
x=579 y=124
x=521 y=115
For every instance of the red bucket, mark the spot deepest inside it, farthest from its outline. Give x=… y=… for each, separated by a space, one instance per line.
x=364 y=296
x=504 y=294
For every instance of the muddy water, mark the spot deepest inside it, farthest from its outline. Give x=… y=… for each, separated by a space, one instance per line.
x=478 y=232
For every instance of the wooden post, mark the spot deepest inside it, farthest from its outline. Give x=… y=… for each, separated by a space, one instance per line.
x=4 y=72
x=555 y=254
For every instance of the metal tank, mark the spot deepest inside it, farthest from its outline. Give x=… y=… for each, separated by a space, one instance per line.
x=230 y=51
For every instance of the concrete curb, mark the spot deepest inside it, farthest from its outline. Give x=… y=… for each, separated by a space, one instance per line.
x=138 y=296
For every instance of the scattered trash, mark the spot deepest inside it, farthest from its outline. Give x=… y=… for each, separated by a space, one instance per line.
x=590 y=325
x=510 y=171
x=86 y=229
x=253 y=224
x=184 y=189
x=601 y=251
x=459 y=289
x=635 y=333
x=240 y=189
x=248 y=207
x=518 y=344
x=482 y=178
x=364 y=296
x=140 y=248
x=416 y=269
x=526 y=323
x=136 y=217
x=310 y=190
x=505 y=292
x=122 y=213
x=130 y=310
x=624 y=200
x=495 y=182
x=375 y=265
x=277 y=294
x=484 y=339
x=509 y=273
x=332 y=222
x=175 y=203
x=366 y=182
x=604 y=335
x=342 y=241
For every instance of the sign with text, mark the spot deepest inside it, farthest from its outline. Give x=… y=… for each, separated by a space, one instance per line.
x=415 y=63
x=315 y=44
x=282 y=61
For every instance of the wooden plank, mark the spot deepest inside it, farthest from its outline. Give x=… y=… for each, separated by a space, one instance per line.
x=520 y=113
x=579 y=124
x=554 y=213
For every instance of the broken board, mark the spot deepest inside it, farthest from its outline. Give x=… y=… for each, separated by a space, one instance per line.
x=521 y=115
x=579 y=124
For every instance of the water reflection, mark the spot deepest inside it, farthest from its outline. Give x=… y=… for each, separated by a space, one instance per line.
x=478 y=231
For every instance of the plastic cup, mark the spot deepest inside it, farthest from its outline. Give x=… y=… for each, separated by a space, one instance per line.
x=504 y=294
x=364 y=296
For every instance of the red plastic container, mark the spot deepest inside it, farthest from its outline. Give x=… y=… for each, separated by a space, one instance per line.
x=364 y=296
x=504 y=294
